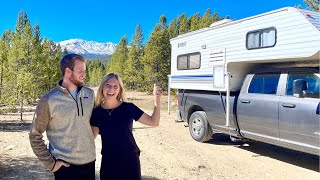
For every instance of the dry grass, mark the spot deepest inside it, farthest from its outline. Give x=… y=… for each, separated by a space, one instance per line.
x=143 y=100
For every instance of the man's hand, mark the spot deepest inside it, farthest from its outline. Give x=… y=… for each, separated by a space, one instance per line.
x=58 y=165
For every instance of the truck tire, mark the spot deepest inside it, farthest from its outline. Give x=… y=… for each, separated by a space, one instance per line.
x=199 y=127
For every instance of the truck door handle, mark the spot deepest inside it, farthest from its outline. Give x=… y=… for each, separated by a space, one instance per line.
x=245 y=101
x=288 y=105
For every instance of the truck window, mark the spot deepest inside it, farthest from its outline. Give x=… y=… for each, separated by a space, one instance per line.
x=264 y=83
x=312 y=79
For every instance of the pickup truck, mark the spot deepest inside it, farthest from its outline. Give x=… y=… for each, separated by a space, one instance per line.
x=278 y=106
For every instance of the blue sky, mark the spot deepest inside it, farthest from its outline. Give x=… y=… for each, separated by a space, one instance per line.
x=109 y=21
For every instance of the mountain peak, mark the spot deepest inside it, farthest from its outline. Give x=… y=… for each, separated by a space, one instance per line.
x=88 y=49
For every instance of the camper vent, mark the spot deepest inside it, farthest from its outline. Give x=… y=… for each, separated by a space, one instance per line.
x=217 y=57
x=218 y=23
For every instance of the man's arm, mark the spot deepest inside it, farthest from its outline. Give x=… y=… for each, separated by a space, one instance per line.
x=39 y=126
x=95 y=131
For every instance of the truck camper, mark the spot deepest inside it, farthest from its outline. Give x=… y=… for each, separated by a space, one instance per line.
x=255 y=78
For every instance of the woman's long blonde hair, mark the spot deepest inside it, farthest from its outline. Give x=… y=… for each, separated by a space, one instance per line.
x=120 y=97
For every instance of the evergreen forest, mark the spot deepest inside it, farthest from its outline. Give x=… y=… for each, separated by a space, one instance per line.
x=29 y=63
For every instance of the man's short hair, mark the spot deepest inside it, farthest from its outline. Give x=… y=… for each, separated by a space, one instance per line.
x=68 y=62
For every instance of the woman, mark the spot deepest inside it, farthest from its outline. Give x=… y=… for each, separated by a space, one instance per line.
x=112 y=118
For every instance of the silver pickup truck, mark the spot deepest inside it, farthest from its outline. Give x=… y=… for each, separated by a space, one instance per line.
x=278 y=106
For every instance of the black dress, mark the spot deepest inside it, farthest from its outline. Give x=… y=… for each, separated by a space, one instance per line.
x=120 y=153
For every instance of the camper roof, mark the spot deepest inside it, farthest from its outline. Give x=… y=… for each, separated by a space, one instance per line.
x=311 y=16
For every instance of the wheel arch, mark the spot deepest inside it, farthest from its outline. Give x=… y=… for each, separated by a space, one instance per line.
x=193 y=109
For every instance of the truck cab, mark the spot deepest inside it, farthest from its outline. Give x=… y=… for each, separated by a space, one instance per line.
x=272 y=107
x=278 y=106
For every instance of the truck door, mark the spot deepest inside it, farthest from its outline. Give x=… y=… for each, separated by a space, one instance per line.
x=258 y=106
x=299 y=119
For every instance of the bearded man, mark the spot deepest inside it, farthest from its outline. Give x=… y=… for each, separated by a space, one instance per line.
x=64 y=114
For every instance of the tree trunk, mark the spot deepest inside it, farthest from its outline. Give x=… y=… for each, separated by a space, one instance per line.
x=21 y=104
x=1 y=80
x=21 y=109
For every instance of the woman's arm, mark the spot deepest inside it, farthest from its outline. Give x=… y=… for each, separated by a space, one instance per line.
x=154 y=119
x=95 y=131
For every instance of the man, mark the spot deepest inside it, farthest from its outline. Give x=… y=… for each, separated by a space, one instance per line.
x=64 y=113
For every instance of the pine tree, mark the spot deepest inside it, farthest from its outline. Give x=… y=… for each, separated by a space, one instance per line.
x=216 y=17
x=35 y=64
x=29 y=65
x=129 y=72
x=119 y=57
x=20 y=76
x=65 y=51
x=195 y=22
x=312 y=5
x=4 y=53
x=157 y=56
x=95 y=72
x=134 y=68
x=184 y=24
x=173 y=28
x=206 y=20
x=48 y=71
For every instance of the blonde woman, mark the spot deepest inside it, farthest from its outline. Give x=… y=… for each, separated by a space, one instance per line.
x=113 y=118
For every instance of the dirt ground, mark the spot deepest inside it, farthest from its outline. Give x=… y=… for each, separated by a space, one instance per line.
x=167 y=152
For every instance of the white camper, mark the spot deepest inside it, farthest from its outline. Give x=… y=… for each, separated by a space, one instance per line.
x=256 y=78
x=204 y=59
x=218 y=58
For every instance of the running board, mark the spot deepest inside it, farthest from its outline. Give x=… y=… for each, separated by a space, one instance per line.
x=235 y=139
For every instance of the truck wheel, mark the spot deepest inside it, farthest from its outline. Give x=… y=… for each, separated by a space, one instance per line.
x=199 y=127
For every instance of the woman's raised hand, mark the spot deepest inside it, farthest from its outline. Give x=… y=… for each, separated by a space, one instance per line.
x=157 y=90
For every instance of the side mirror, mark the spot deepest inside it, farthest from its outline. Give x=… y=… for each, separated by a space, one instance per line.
x=299 y=87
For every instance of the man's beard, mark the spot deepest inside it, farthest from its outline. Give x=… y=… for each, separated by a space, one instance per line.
x=76 y=82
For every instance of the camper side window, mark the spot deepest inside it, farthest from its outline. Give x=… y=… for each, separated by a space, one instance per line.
x=264 y=83
x=188 y=61
x=261 y=38
x=182 y=62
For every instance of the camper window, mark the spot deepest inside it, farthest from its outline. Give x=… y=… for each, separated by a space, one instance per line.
x=261 y=38
x=194 y=61
x=189 y=61
x=182 y=62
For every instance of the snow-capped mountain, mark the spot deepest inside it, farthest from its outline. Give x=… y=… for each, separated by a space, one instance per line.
x=88 y=49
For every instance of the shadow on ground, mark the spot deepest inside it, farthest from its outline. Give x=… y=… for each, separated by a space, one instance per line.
x=30 y=168
x=145 y=127
x=296 y=158
x=26 y=168
x=223 y=139
x=148 y=178
x=15 y=126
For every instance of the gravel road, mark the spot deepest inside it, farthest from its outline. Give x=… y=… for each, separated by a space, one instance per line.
x=168 y=152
